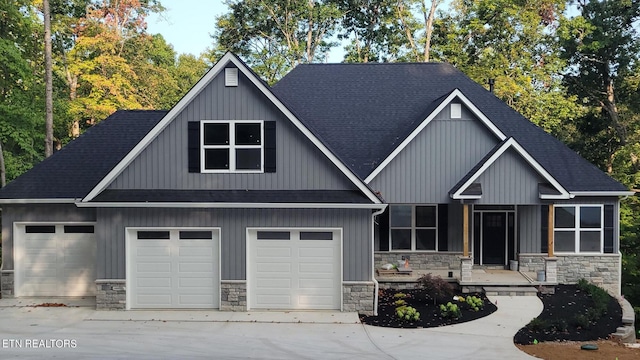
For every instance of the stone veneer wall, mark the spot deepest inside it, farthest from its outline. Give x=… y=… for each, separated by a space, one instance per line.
x=233 y=295
x=111 y=294
x=421 y=260
x=531 y=262
x=358 y=296
x=6 y=284
x=602 y=270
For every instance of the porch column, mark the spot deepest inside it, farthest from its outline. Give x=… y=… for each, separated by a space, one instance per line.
x=465 y=230
x=550 y=232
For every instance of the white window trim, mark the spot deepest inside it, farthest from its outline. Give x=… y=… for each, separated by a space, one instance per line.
x=577 y=229
x=232 y=146
x=413 y=228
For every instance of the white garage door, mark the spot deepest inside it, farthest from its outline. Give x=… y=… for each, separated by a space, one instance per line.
x=295 y=269
x=55 y=260
x=173 y=269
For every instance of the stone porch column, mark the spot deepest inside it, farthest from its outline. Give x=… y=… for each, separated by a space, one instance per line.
x=466 y=264
x=551 y=269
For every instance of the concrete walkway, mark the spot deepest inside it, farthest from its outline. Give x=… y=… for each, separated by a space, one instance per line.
x=253 y=335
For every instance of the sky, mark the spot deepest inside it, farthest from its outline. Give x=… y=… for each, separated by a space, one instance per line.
x=187 y=24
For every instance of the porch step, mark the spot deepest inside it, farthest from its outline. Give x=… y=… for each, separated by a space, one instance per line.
x=510 y=290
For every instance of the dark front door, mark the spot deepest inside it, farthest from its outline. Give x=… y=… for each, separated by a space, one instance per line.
x=494 y=238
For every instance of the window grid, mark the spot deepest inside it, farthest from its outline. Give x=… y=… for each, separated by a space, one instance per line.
x=577 y=229
x=413 y=228
x=232 y=147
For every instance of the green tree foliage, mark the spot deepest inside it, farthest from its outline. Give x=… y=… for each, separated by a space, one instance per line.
x=274 y=36
x=21 y=88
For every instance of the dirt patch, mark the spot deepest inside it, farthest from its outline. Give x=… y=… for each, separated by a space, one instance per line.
x=50 y=305
x=430 y=315
x=570 y=350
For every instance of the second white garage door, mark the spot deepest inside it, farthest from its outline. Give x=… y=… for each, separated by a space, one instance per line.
x=173 y=268
x=295 y=269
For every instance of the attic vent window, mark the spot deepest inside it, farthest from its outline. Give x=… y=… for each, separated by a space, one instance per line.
x=456 y=111
x=231 y=77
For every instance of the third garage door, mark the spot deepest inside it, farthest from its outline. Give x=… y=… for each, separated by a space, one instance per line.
x=295 y=269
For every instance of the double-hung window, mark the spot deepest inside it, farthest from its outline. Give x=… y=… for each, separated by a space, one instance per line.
x=578 y=228
x=413 y=227
x=232 y=146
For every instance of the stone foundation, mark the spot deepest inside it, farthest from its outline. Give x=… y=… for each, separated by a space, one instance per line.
x=233 y=295
x=531 y=262
x=466 y=265
x=6 y=284
x=420 y=260
x=358 y=296
x=111 y=294
x=602 y=270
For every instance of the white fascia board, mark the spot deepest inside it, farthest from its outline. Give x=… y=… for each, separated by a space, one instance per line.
x=200 y=85
x=37 y=201
x=512 y=143
x=454 y=94
x=229 y=205
x=466 y=197
x=602 y=193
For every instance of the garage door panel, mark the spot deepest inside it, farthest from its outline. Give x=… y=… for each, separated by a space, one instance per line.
x=183 y=272
x=267 y=300
x=318 y=268
x=154 y=300
x=277 y=267
x=273 y=250
x=270 y=283
x=316 y=301
x=315 y=284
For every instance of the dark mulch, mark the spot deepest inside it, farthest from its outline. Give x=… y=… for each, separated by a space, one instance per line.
x=559 y=322
x=429 y=313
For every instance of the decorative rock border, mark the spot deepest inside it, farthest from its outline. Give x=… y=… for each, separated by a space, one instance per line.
x=627 y=332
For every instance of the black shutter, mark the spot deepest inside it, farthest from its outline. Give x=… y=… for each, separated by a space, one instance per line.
x=608 y=228
x=269 y=146
x=443 y=227
x=383 y=230
x=544 y=228
x=193 y=146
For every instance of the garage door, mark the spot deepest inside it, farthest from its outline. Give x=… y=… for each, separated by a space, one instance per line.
x=55 y=260
x=295 y=269
x=173 y=269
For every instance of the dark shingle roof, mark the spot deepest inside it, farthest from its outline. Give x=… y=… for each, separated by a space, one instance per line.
x=364 y=111
x=78 y=167
x=230 y=196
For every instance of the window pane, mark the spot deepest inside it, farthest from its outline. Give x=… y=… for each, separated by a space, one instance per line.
x=401 y=239
x=40 y=229
x=425 y=216
x=216 y=134
x=590 y=241
x=425 y=239
x=565 y=217
x=400 y=216
x=196 y=234
x=316 y=235
x=273 y=235
x=248 y=134
x=564 y=241
x=590 y=217
x=216 y=159
x=248 y=159
x=153 y=235
x=78 y=229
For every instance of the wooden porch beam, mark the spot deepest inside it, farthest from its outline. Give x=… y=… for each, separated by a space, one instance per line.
x=550 y=234
x=465 y=230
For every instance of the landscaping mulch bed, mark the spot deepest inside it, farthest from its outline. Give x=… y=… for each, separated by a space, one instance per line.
x=559 y=319
x=429 y=312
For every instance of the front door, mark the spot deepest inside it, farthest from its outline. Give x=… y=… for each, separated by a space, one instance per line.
x=494 y=238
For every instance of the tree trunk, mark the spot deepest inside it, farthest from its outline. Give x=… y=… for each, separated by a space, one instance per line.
x=612 y=110
x=401 y=13
x=3 y=171
x=428 y=23
x=48 y=77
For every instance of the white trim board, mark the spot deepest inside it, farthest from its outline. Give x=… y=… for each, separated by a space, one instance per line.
x=512 y=143
x=195 y=90
x=453 y=95
x=230 y=205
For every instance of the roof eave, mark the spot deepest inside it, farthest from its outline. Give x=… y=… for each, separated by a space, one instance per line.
x=38 y=201
x=228 y=205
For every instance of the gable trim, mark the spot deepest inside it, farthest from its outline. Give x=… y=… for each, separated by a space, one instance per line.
x=229 y=205
x=195 y=90
x=602 y=193
x=512 y=143
x=38 y=201
x=456 y=93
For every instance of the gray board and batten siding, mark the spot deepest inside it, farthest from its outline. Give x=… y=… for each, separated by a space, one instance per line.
x=43 y=213
x=164 y=162
x=355 y=225
x=435 y=160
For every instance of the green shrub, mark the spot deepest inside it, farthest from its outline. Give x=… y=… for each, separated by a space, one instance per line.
x=537 y=324
x=407 y=313
x=581 y=321
x=600 y=299
x=435 y=286
x=399 y=302
x=560 y=325
x=450 y=310
x=475 y=303
x=399 y=295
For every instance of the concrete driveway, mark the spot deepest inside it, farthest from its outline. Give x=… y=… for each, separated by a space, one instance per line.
x=81 y=332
